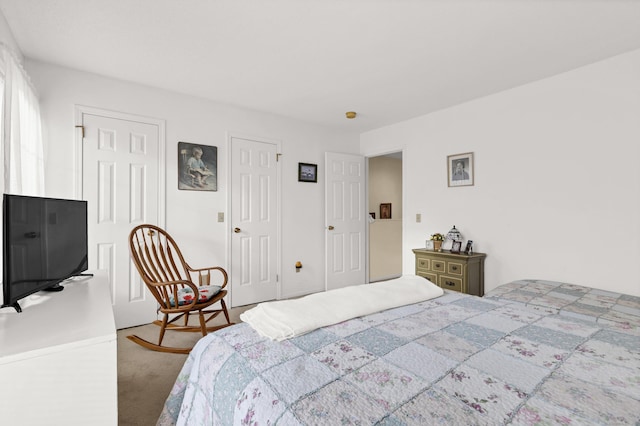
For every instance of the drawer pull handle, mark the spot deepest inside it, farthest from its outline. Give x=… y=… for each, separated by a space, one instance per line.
x=455 y=268
x=449 y=283
x=437 y=265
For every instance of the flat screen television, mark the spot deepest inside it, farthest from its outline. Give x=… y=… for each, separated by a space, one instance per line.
x=44 y=243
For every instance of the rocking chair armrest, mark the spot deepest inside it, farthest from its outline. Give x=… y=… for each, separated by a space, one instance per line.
x=220 y=269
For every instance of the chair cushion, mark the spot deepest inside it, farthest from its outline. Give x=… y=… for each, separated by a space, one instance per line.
x=186 y=294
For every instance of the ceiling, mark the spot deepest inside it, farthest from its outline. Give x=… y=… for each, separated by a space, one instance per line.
x=313 y=60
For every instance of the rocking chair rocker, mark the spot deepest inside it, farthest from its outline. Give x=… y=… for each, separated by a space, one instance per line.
x=170 y=280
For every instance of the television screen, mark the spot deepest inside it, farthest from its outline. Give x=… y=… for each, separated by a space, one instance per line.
x=44 y=243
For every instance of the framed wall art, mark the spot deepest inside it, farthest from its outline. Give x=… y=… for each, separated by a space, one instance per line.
x=197 y=167
x=385 y=211
x=307 y=172
x=460 y=169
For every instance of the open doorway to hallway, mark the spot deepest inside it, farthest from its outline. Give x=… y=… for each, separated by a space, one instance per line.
x=385 y=222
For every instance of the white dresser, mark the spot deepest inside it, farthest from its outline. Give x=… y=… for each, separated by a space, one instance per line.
x=58 y=358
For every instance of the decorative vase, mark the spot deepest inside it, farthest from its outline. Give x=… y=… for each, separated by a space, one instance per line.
x=437 y=245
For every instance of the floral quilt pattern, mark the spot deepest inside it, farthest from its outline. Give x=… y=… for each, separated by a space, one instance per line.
x=530 y=352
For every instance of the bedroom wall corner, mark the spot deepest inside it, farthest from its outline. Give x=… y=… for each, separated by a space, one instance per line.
x=557 y=190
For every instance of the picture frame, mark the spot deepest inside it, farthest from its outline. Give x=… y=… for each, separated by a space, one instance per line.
x=197 y=167
x=429 y=245
x=460 y=169
x=455 y=247
x=385 y=210
x=307 y=172
x=469 y=248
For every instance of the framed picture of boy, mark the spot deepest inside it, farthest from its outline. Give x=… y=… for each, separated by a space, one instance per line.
x=197 y=167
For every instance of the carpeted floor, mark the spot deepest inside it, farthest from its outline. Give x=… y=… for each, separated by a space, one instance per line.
x=146 y=377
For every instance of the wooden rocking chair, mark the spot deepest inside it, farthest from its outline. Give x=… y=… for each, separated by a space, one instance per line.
x=170 y=280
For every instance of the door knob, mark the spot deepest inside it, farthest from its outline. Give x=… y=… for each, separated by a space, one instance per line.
x=236 y=230
x=331 y=228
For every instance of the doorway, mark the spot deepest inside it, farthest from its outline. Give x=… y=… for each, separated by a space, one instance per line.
x=385 y=216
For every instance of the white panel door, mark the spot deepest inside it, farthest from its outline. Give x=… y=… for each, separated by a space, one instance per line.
x=254 y=221
x=122 y=183
x=345 y=220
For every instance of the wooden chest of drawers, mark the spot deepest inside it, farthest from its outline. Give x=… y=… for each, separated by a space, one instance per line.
x=459 y=272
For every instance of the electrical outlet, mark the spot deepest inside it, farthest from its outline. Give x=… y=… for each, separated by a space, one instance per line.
x=418 y=218
x=220 y=216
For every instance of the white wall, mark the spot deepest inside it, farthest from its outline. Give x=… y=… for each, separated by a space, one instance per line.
x=557 y=180
x=190 y=119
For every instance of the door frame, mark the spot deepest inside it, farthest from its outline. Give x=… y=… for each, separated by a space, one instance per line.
x=81 y=110
x=278 y=144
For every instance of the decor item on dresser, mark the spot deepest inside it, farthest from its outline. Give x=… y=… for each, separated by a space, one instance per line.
x=452 y=235
x=456 y=359
x=460 y=169
x=197 y=166
x=456 y=247
x=437 y=239
x=385 y=211
x=459 y=272
x=469 y=248
x=307 y=172
x=429 y=245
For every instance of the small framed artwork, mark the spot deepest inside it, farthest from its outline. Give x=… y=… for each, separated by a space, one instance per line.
x=307 y=172
x=197 y=167
x=455 y=247
x=429 y=245
x=469 y=248
x=460 y=169
x=385 y=211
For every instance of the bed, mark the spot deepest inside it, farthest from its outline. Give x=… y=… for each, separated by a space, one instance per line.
x=528 y=352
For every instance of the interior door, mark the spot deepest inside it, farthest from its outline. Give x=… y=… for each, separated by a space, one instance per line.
x=123 y=184
x=345 y=220
x=254 y=221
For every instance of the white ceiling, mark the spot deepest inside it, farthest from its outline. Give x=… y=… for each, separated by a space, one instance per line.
x=313 y=60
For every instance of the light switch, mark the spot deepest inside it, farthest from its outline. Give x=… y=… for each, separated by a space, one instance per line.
x=418 y=217
x=220 y=216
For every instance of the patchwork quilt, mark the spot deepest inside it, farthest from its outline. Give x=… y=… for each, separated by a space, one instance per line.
x=530 y=352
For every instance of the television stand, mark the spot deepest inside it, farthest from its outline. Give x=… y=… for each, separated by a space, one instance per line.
x=14 y=305
x=61 y=352
x=55 y=287
x=59 y=287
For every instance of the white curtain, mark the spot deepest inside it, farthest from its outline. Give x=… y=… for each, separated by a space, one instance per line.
x=23 y=152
